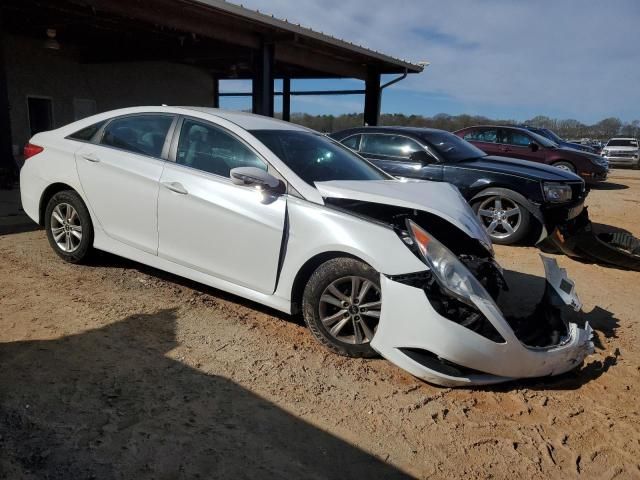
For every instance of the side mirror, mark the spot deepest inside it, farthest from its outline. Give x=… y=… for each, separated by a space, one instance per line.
x=534 y=146
x=421 y=157
x=255 y=177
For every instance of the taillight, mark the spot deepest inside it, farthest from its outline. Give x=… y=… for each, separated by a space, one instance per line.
x=30 y=150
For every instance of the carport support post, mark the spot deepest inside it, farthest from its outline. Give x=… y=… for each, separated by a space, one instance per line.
x=216 y=92
x=263 y=80
x=286 y=99
x=8 y=168
x=372 y=98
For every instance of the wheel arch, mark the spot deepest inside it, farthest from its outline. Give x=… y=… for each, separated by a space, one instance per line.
x=307 y=269
x=47 y=194
x=518 y=197
x=564 y=160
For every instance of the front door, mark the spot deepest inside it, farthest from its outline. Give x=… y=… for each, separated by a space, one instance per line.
x=208 y=223
x=517 y=144
x=120 y=177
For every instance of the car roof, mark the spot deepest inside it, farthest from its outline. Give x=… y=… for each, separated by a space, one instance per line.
x=248 y=121
x=390 y=128
x=622 y=138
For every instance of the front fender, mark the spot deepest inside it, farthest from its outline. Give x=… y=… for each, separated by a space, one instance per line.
x=315 y=229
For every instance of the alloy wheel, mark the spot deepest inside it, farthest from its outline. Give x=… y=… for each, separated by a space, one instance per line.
x=350 y=309
x=66 y=227
x=500 y=216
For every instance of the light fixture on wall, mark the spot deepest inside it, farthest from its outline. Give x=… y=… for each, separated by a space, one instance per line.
x=51 y=43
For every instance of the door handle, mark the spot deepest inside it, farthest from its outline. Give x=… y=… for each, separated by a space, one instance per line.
x=90 y=157
x=175 y=187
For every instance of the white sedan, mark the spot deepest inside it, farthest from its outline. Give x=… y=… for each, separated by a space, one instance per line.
x=287 y=217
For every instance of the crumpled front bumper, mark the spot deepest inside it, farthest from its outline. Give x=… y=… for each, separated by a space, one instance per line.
x=413 y=336
x=576 y=238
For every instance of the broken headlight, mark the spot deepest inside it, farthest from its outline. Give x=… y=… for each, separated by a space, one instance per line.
x=449 y=271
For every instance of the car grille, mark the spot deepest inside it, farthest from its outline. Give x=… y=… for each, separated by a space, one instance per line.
x=577 y=190
x=613 y=153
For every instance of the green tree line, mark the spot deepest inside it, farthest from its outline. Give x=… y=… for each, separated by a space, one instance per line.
x=567 y=128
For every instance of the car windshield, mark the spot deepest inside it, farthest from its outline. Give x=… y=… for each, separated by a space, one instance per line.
x=622 y=143
x=451 y=147
x=316 y=158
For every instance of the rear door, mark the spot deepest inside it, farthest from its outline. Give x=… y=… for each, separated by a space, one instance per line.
x=208 y=223
x=391 y=152
x=120 y=173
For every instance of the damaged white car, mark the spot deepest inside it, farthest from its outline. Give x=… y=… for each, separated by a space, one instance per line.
x=287 y=217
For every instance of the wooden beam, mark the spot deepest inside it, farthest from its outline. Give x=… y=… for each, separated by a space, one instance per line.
x=317 y=61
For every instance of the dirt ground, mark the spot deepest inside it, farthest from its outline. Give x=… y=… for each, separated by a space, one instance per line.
x=115 y=370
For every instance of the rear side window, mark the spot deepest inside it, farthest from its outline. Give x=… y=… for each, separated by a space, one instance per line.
x=488 y=136
x=144 y=134
x=87 y=133
x=213 y=150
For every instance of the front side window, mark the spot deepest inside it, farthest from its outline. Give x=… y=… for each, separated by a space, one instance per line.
x=213 y=150
x=487 y=136
x=143 y=134
x=389 y=145
x=519 y=139
x=316 y=158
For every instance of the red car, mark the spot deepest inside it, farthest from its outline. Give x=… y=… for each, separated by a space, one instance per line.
x=519 y=143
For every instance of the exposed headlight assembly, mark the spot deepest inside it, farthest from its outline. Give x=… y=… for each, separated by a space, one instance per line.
x=557 y=192
x=451 y=273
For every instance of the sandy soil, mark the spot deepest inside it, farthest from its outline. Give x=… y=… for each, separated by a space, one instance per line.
x=114 y=370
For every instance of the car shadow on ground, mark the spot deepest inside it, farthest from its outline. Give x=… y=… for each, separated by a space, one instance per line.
x=525 y=292
x=108 y=260
x=110 y=403
x=609 y=186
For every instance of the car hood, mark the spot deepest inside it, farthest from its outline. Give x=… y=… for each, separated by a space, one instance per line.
x=438 y=198
x=581 y=153
x=523 y=168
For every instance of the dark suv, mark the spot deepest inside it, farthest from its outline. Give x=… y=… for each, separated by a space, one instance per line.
x=510 y=197
x=517 y=142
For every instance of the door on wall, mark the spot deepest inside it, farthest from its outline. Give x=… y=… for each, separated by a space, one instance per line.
x=40 y=114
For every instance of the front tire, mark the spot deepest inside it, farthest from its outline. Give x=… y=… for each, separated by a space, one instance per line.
x=506 y=221
x=68 y=225
x=565 y=166
x=341 y=306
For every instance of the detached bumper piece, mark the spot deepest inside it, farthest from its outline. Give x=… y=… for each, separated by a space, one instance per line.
x=441 y=342
x=577 y=239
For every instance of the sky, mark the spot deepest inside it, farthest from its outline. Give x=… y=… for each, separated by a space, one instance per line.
x=500 y=58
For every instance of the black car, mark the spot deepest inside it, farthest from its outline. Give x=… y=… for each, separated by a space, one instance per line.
x=512 y=198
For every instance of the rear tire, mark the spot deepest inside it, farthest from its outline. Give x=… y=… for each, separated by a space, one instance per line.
x=507 y=222
x=68 y=225
x=341 y=306
x=565 y=166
